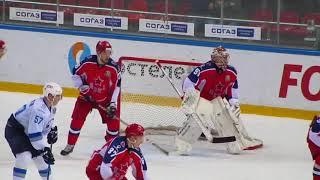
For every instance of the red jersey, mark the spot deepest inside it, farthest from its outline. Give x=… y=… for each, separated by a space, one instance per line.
x=102 y=79
x=313 y=138
x=213 y=83
x=117 y=153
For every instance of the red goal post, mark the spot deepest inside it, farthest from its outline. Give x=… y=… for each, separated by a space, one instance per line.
x=147 y=97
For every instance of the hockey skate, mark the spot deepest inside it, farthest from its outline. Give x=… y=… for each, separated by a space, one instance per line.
x=67 y=150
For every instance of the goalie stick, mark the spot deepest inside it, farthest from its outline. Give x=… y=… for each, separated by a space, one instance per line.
x=168 y=78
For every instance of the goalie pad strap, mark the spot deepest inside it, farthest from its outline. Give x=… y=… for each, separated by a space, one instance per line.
x=223 y=139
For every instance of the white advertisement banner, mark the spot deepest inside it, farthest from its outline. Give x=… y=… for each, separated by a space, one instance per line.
x=265 y=78
x=99 y=21
x=36 y=15
x=166 y=27
x=232 y=32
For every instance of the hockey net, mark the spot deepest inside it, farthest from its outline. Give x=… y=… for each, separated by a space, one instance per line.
x=148 y=98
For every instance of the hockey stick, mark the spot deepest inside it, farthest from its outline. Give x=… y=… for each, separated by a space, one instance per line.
x=168 y=78
x=49 y=168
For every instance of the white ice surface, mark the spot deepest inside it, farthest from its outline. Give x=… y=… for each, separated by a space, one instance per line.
x=285 y=155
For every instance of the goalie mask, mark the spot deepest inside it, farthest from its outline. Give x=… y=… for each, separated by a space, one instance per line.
x=220 y=57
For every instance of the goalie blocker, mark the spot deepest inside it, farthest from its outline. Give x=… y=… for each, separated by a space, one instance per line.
x=217 y=120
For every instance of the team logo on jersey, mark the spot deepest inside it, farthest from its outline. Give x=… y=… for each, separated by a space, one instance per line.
x=123 y=144
x=227 y=79
x=98 y=81
x=108 y=74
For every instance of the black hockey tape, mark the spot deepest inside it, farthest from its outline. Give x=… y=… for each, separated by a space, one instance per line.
x=223 y=139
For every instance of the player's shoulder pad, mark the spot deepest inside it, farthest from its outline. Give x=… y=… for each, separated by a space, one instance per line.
x=207 y=65
x=113 y=63
x=232 y=68
x=119 y=143
x=38 y=106
x=315 y=127
x=91 y=58
x=137 y=151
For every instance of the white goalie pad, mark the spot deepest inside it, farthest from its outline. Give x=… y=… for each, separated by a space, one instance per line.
x=214 y=113
x=187 y=135
x=248 y=142
x=218 y=116
x=190 y=131
x=202 y=118
x=227 y=118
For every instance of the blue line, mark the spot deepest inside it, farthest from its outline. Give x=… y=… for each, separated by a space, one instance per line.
x=162 y=40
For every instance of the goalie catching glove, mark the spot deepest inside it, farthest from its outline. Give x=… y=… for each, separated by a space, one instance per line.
x=190 y=101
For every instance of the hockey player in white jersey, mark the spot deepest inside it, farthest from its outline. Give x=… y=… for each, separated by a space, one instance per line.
x=30 y=131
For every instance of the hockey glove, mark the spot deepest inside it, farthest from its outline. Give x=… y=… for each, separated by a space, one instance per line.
x=111 y=110
x=235 y=106
x=86 y=93
x=48 y=156
x=52 y=137
x=190 y=101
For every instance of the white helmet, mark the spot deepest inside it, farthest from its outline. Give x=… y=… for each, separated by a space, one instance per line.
x=52 y=88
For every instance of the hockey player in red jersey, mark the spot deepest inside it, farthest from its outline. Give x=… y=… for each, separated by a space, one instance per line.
x=113 y=159
x=2 y=48
x=215 y=78
x=212 y=107
x=98 y=80
x=313 y=140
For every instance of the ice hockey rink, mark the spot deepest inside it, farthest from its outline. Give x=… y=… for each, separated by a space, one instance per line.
x=285 y=155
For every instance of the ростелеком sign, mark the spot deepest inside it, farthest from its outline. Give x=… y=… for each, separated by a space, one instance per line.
x=99 y=21
x=232 y=32
x=166 y=27
x=35 y=15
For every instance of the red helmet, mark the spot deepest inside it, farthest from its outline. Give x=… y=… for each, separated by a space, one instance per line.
x=134 y=130
x=103 y=45
x=2 y=44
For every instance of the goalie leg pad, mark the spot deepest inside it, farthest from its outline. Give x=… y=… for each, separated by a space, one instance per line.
x=187 y=135
x=247 y=142
x=190 y=131
x=215 y=112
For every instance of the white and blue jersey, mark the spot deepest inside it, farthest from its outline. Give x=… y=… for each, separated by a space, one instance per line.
x=37 y=119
